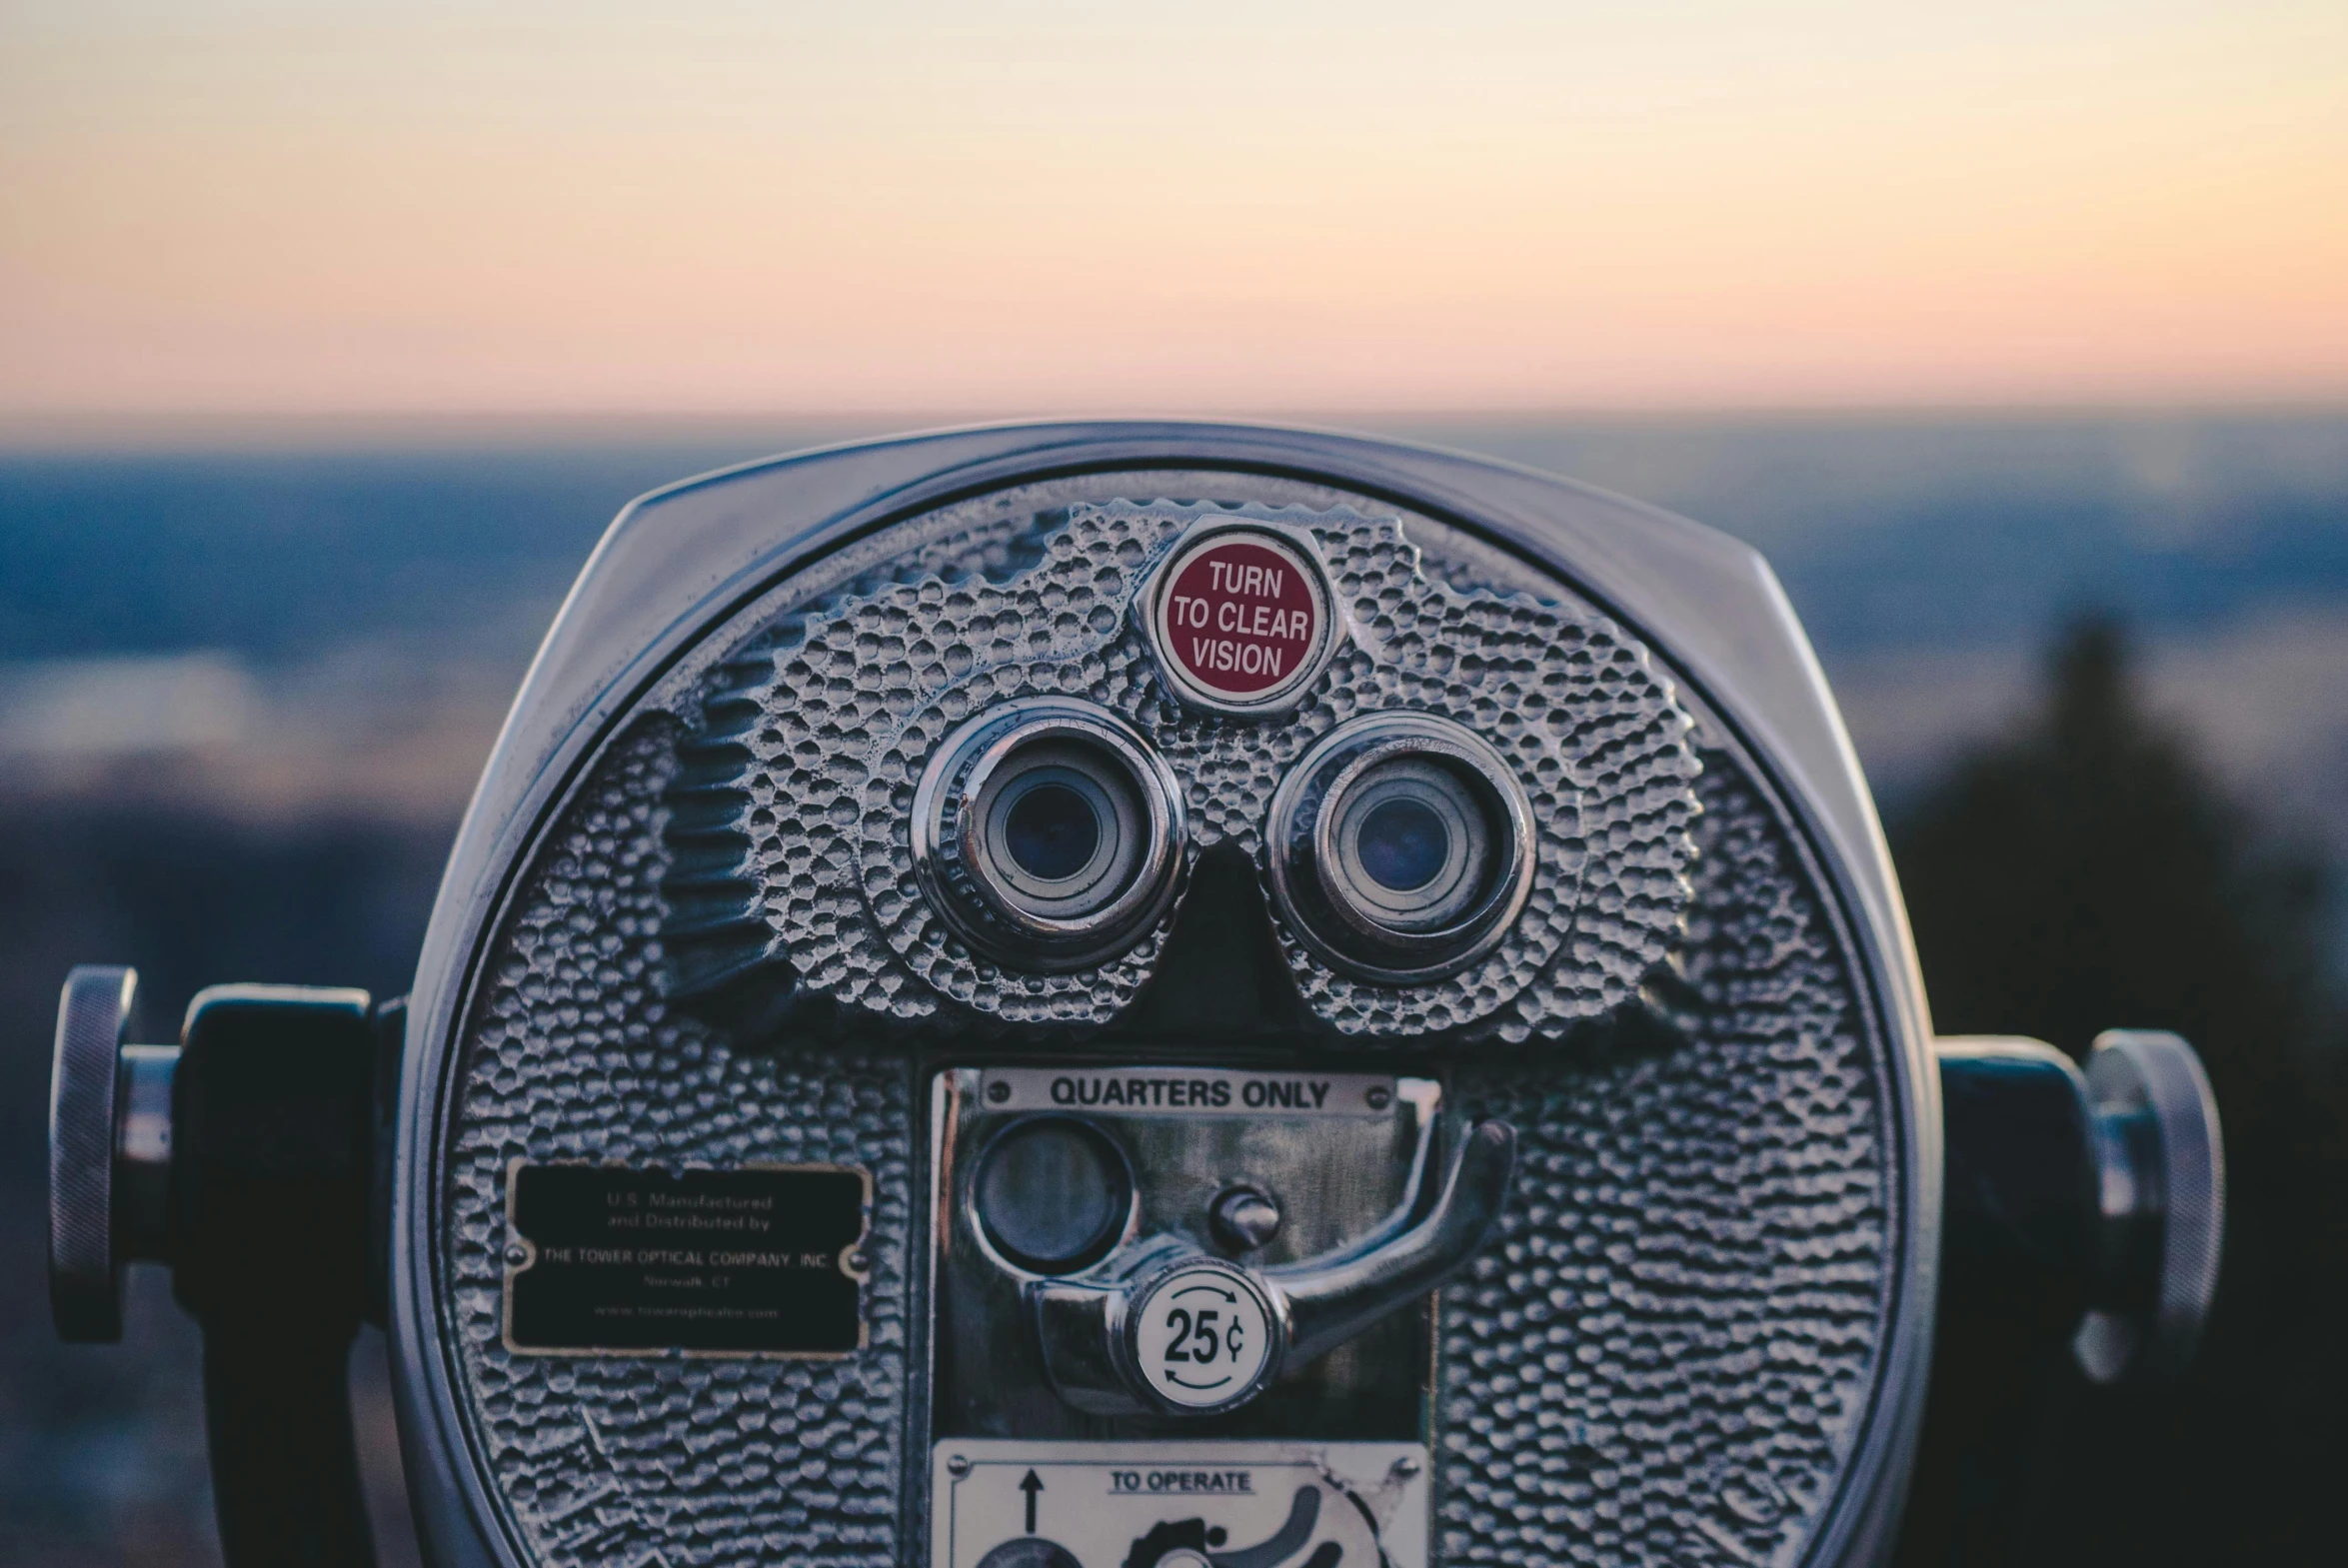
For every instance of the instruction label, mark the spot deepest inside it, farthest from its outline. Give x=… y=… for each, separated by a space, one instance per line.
x=1005 y=1503
x=1241 y=615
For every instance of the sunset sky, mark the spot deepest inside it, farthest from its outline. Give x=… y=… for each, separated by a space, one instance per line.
x=260 y=207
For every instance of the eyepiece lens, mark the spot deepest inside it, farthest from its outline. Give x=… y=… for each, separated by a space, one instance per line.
x=1052 y=832
x=1048 y=833
x=1400 y=847
x=1404 y=844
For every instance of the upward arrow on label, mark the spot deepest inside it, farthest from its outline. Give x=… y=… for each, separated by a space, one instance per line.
x=1031 y=1485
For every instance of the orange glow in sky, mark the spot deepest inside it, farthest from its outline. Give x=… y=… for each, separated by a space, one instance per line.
x=267 y=206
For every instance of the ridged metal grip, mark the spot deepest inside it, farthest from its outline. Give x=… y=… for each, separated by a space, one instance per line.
x=2093 y=1204
x=2161 y=1160
x=85 y=1262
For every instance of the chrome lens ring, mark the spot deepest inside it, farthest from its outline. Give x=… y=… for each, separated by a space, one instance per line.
x=1408 y=841
x=1400 y=847
x=1048 y=833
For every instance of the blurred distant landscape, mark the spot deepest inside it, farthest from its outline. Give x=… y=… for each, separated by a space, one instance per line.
x=246 y=690
x=304 y=632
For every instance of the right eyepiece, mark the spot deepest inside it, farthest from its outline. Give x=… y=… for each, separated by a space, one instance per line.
x=1400 y=847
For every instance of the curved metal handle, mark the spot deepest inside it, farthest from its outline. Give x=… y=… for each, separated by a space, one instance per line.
x=1090 y=1329
x=1331 y=1299
x=243 y=1161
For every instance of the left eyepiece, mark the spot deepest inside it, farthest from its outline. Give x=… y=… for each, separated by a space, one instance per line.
x=1048 y=833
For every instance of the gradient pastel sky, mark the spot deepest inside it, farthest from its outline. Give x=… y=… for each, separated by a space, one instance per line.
x=703 y=207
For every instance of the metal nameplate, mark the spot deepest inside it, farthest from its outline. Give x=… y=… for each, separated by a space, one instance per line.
x=755 y=1260
x=1188 y=1091
x=1006 y=1503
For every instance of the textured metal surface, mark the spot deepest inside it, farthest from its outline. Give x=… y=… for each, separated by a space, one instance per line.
x=1668 y=1355
x=615 y=1461
x=1703 y=1256
x=85 y=1258
x=793 y=823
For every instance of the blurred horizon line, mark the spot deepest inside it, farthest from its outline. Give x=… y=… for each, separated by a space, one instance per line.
x=100 y=432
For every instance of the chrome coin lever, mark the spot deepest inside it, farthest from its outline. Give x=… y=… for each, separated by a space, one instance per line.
x=1174 y=1329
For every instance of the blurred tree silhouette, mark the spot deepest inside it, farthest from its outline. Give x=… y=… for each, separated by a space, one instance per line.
x=2083 y=875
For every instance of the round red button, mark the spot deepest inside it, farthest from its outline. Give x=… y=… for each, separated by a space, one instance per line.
x=1241 y=615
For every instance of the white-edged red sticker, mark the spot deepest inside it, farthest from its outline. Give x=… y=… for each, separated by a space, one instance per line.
x=1241 y=616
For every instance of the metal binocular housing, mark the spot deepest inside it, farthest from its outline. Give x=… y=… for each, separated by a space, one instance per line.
x=1105 y=996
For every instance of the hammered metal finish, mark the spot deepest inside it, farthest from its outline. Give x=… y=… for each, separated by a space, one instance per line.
x=1667 y=1355
x=792 y=825
x=571 y=1056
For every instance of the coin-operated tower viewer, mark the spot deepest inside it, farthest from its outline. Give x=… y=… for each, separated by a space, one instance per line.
x=1129 y=996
